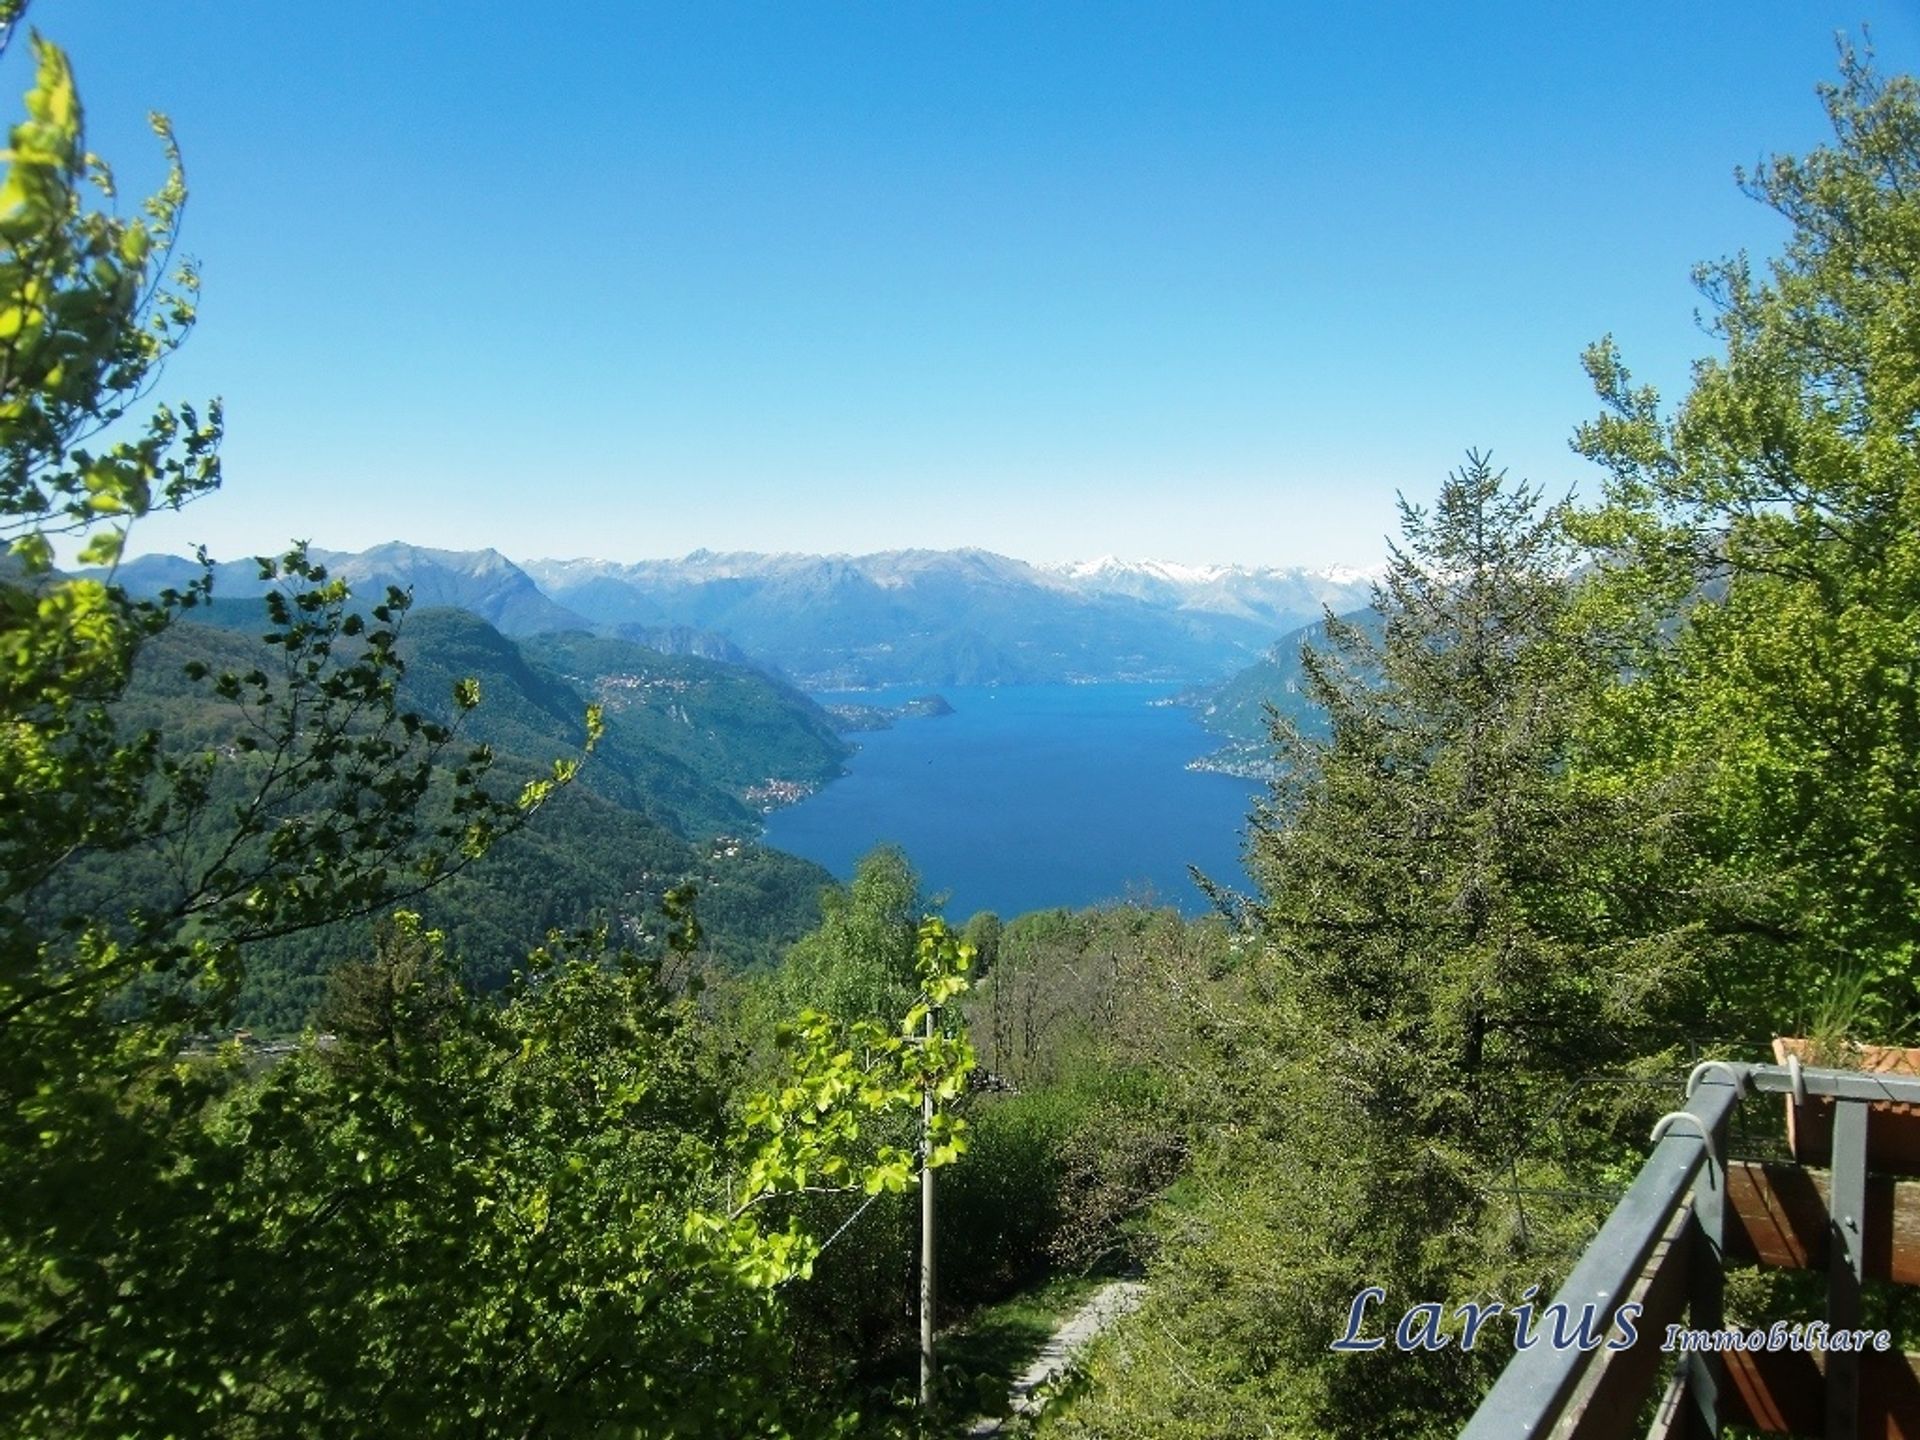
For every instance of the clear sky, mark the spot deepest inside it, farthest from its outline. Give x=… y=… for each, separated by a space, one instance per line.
x=1194 y=281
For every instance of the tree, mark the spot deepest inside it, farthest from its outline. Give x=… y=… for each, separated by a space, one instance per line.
x=1077 y=1133
x=554 y=1216
x=329 y=800
x=983 y=931
x=858 y=963
x=550 y=1216
x=1440 y=947
x=860 y=960
x=1434 y=861
x=1775 y=516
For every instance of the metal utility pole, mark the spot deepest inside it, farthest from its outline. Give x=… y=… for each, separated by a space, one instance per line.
x=926 y=1237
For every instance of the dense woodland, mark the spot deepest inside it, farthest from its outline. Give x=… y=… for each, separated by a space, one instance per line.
x=604 y=1123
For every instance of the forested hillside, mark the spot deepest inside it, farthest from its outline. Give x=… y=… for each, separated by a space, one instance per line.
x=666 y=800
x=737 y=726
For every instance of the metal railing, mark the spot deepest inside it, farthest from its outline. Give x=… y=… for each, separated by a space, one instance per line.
x=1665 y=1248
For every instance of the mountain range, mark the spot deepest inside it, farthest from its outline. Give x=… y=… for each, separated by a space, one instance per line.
x=923 y=617
x=482 y=582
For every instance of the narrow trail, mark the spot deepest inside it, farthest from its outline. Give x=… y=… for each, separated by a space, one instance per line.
x=1105 y=1306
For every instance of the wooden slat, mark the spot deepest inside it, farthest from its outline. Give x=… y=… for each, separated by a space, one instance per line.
x=1783 y=1392
x=1778 y=1217
x=1604 y=1405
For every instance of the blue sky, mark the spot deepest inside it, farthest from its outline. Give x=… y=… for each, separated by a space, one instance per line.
x=1195 y=281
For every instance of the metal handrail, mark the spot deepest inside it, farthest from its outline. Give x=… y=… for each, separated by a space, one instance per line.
x=1527 y=1398
x=1531 y=1392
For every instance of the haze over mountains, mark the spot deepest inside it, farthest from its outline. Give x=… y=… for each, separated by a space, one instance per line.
x=842 y=622
x=483 y=582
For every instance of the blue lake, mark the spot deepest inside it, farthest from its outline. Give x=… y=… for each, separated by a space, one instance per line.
x=1028 y=797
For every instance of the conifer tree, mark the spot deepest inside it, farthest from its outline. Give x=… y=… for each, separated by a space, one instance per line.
x=1431 y=870
x=1442 y=945
x=1440 y=902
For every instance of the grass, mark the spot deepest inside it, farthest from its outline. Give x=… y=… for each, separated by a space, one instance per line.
x=981 y=1359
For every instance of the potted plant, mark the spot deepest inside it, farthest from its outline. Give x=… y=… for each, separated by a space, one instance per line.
x=1893 y=1130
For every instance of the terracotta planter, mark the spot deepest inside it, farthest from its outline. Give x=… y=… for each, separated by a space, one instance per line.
x=1893 y=1130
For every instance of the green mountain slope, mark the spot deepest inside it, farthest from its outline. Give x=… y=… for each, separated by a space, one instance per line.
x=735 y=726
x=1236 y=709
x=531 y=714
x=696 y=744
x=640 y=821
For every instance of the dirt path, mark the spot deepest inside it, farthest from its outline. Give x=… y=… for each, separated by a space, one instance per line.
x=1106 y=1305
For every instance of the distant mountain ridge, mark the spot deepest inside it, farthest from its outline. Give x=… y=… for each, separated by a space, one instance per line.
x=1280 y=596
x=969 y=616
x=481 y=582
x=928 y=617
